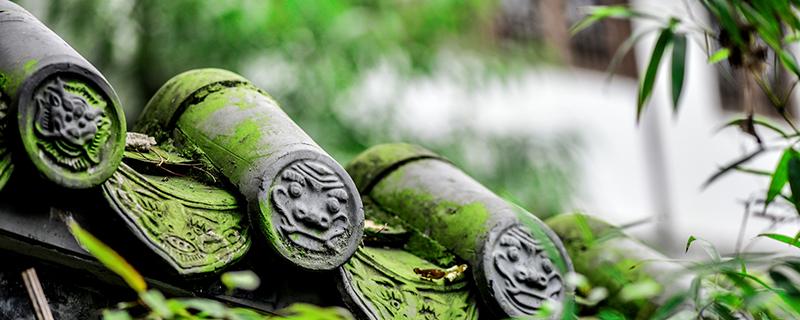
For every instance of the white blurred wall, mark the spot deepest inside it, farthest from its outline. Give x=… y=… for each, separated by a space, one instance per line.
x=621 y=179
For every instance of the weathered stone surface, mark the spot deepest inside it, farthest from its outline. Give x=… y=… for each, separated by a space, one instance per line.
x=34 y=233
x=302 y=200
x=70 y=123
x=196 y=227
x=518 y=263
x=380 y=283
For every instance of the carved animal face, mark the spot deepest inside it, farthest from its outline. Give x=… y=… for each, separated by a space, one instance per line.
x=529 y=277
x=65 y=115
x=312 y=201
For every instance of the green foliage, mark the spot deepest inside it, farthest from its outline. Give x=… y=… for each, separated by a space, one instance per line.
x=107 y=257
x=603 y=12
x=716 y=288
x=678 y=68
x=153 y=305
x=749 y=29
x=743 y=286
x=792 y=241
x=720 y=55
x=780 y=176
x=245 y=280
x=665 y=39
x=644 y=289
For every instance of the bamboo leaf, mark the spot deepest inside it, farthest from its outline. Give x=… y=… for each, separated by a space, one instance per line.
x=720 y=55
x=792 y=241
x=757 y=172
x=643 y=289
x=786 y=276
x=108 y=257
x=689 y=243
x=779 y=177
x=756 y=121
x=623 y=50
x=793 y=170
x=646 y=89
x=733 y=165
x=157 y=303
x=724 y=14
x=670 y=307
x=600 y=13
x=209 y=308
x=116 y=315
x=678 y=68
x=789 y=62
x=709 y=248
x=609 y=314
x=721 y=311
x=768 y=28
x=792 y=37
x=245 y=280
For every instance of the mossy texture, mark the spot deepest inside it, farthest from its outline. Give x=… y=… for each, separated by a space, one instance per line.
x=366 y=167
x=164 y=108
x=516 y=260
x=299 y=197
x=70 y=121
x=395 y=232
x=610 y=259
x=382 y=284
x=195 y=227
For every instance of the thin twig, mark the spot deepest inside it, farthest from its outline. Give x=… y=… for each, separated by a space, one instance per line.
x=743 y=227
x=36 y=294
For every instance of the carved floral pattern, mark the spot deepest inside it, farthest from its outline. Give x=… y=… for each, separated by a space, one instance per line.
x=197 y=228
x=6 y=165
x=528 y=277
x=379 y=279
x=71 y=123
x=312 y=203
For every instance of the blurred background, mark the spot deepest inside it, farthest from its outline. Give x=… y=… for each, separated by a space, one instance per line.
x=498 y=86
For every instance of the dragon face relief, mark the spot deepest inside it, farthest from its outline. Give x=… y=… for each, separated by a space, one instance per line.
x=527 y=277
x=312 y=205
x=71 y=123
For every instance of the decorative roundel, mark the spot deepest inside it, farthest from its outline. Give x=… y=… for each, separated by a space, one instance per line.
x=315 y=214
x=72 y=131
x=522 y=274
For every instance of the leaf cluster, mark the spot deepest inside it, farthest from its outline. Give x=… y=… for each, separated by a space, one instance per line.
x=153 y=305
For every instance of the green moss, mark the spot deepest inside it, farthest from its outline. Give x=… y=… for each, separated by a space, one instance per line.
x=30 y=66
x=430 y=250
x=456 y=226
x=374 y=161
x=231 y=146
x=85 y=165
x=4 y=80
x=187 y=88
x=208 y=221
x=385 y=278
x=398 y=233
